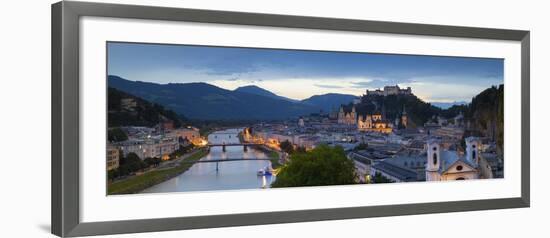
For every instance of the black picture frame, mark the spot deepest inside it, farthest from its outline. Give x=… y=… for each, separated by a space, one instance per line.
x=65 y=117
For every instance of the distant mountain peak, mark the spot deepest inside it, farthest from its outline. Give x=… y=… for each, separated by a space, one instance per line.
x=253 y=89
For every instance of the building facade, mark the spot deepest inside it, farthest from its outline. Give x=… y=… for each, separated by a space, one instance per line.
x=348 y=118
x=390 y=90
x=113 y=158
x=374 y=123
x=149 y=148
x=450 y=165
x=301 y=122
x=128 y=104
x=190 y=134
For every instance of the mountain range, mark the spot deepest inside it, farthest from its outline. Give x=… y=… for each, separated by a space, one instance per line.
x=262 y=92
x=208 y=102
x=330 y=101
x=447 y=105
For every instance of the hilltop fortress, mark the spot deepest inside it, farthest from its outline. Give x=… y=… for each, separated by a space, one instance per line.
x=390 y=90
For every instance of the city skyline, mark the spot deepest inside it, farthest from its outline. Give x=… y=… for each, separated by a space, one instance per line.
x=299 y=74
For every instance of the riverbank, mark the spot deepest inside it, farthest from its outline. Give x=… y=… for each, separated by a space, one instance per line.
x=273 y=155
x=139 y=183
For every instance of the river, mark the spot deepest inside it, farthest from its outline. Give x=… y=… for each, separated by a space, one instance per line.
x=230 y=175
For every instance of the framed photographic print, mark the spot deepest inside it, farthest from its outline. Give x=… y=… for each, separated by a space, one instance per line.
x=168 y=118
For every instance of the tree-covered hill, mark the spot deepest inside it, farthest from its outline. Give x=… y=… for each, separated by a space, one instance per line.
x=392 y=106
x=144 y=113
x=485 y=114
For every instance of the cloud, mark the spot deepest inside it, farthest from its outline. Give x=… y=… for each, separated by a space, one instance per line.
x=447 y=88
x=327 y=86
x=379 y=83
x=361 y=84
x=300 y=74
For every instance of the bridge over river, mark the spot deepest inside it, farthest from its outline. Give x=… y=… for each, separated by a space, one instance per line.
x=232 y=144
x=225 y=160
x=245 y=145
x=232 y=168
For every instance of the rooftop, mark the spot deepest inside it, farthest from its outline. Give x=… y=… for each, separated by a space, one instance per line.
x=395 y=171
x=450 y=157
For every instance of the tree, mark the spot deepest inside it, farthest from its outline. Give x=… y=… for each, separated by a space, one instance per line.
x=287 y=147
x=112 y=174
x=146 y=113
x=152 y=161
x=300 y=149
x=379 y=178
x=116 y=134
x=129 y=164
x=323 y=165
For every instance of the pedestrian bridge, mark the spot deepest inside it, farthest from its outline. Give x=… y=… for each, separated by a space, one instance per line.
x=224 y=145
x=223 y=160
x=232 y=144
x=217 y=161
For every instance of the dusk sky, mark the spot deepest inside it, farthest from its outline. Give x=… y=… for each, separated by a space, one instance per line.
x=301 y=74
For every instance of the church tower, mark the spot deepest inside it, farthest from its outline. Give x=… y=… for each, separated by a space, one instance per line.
x=301 y=122
x=404 y=118
x=353 y=115
x=472 y=149
x=341 y=115
x=433 y=162
x=368 y=122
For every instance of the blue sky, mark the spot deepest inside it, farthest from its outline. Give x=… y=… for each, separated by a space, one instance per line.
x=300 y=74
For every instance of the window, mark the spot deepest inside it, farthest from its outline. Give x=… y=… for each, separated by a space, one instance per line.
x=461 y=178
x=459 y=168
x=473 y=155
x=435 y=148
x=435 y=158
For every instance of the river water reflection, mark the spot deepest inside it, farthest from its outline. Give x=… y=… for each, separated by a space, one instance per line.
x=230 y=175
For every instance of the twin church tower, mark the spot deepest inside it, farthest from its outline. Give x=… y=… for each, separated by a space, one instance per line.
x=376 y=122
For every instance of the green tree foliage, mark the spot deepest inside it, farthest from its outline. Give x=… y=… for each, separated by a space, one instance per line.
x=300 y=149
x=323 y=165
x=418 y=111
x=112 y=174
x=181 y=151
x=145 y=113
x=379 y=178
x=453 y=111
x=287 y=147
x=486 y=115
x=116 y=134
x=152 y=161
x=130 y=164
